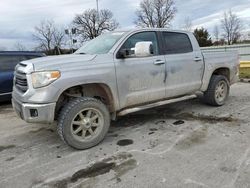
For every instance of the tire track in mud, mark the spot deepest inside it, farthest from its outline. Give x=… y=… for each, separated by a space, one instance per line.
x=120 y=163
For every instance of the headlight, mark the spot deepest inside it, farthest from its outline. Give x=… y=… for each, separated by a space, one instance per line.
x=42 y=79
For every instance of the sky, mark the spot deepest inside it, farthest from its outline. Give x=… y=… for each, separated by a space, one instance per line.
x=19 y=17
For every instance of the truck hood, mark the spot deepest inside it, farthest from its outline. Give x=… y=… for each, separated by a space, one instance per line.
x=57 y=62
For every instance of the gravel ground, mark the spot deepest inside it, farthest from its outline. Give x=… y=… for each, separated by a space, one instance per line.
x=186 y=144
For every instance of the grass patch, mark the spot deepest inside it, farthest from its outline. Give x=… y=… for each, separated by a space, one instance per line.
x=244 y=72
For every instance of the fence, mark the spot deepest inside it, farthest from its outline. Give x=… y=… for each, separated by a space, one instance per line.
x=243 y=49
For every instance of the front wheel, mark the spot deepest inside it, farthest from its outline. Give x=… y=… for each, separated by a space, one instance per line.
x=83 y=123
x=218 y=91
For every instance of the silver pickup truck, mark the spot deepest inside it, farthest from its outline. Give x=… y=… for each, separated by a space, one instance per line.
x=115 y=74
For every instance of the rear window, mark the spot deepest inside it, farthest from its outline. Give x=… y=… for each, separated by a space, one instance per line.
x=8 y=62
x=31 y=57
x=176 y=43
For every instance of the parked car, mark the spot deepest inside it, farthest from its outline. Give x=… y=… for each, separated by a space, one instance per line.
x=115 y=74
x=8 y=61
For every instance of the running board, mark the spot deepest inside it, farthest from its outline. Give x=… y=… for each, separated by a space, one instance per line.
x=152 y=105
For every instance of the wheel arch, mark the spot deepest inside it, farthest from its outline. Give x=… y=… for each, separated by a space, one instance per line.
x=224 y=71
x=100 y=91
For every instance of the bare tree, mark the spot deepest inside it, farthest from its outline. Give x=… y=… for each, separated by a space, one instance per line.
x=19 y=47
x=90 y=24
x=44 y=34
x=216 y=33
x=188 y=25
x=231 y=25
x=155 y=13
x=58 y=38
x=48 y=35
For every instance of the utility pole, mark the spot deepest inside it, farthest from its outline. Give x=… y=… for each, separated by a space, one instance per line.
x=71 y=33
x=97 y=7
x=98 y=16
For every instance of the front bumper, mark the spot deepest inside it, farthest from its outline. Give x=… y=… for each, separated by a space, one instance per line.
x=34 y=113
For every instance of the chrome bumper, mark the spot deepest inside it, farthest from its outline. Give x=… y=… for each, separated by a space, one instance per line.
x=34 y=113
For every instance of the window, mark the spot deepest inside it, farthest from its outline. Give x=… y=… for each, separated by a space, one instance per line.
x=28 y=57
x=101 y=44
x=8 y=62
x=142 y=37
x=176 y=43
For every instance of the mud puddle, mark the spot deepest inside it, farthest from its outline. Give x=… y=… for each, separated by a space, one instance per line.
x=179 y=122
x=125 y=142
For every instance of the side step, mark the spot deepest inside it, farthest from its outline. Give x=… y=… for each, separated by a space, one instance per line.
x=152 y=105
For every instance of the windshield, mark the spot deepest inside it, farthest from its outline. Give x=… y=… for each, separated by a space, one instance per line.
x=101 y=44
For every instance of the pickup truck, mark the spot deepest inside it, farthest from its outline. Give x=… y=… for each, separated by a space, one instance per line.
x=115 y=74
x=8 y=61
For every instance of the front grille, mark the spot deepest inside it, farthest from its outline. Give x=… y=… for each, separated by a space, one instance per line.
x=21 y=81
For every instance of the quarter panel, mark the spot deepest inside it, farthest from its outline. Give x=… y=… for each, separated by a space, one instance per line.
x=216 y=60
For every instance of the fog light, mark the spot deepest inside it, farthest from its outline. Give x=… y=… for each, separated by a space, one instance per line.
x=33 y=112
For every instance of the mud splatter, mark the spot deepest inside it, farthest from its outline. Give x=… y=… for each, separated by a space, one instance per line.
x=113 y=135
x=125 y=142
x=2 y=148
x=227 y=169
x=204 y=118
x=124 y=167
x=96 y=169
x=153 y=129
x=194 y=138
x=160 y=122
x=41 y=129
x=10 y=159
x=120 y=157
x=153 y=143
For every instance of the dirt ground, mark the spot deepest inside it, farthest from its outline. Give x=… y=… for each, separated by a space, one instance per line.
x=186 y=144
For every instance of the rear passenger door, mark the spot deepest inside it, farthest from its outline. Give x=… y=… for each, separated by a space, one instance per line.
x=184 y=65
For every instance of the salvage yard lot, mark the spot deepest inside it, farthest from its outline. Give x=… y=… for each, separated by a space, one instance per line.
x=186 y=144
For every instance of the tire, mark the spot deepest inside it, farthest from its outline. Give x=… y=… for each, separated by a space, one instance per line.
x=217 y=92
x=83 y=123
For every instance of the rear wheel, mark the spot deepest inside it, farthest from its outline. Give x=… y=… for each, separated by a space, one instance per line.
x=83 y=122
x=218 y=91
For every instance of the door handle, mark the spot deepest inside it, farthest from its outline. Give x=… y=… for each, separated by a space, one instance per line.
x=197 y=59
x=159 y=62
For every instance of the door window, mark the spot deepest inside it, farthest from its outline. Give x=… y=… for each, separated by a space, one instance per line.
x=142 y=37
x=176 y=43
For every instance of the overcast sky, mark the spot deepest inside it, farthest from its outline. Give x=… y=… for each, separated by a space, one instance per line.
x=18 y=17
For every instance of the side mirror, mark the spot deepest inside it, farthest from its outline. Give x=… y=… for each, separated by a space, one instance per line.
x=144 y=49
x=123 y=53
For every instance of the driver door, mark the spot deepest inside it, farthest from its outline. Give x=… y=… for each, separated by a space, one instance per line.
x=140 y=79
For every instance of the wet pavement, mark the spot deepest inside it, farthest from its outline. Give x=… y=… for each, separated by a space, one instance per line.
x=186 y=144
